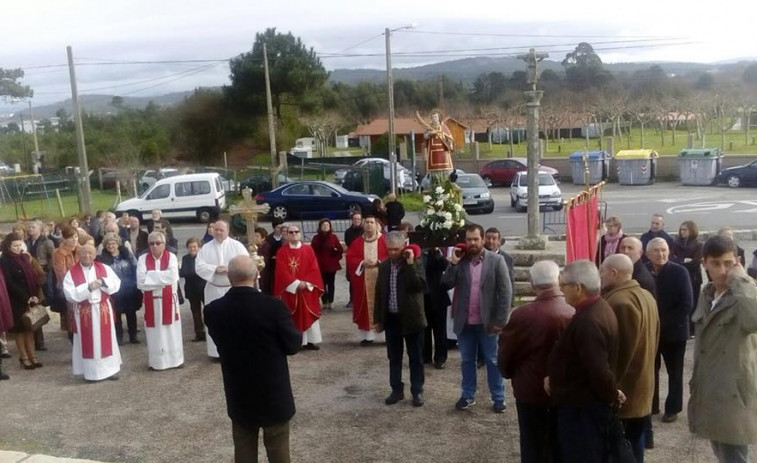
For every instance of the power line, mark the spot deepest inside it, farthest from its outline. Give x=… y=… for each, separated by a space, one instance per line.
x=172 y=80
x=482 y=34
x=362 y=43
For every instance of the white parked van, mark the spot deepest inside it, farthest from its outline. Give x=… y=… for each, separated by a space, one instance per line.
x=183 y=196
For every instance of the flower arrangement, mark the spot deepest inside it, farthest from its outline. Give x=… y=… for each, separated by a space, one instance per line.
x=443 y=216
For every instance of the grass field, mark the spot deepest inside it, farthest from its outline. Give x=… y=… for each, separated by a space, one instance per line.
x=48 y=208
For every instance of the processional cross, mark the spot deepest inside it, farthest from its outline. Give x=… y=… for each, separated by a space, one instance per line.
x=249 y=210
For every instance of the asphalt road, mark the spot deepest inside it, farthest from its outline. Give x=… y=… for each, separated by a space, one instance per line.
x=710 y=207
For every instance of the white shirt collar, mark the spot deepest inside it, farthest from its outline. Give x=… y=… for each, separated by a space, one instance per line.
x=296 y=246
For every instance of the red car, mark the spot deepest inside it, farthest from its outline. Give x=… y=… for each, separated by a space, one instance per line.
x=503 y=171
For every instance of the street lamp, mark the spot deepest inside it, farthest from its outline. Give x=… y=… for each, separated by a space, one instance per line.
x=390 y=93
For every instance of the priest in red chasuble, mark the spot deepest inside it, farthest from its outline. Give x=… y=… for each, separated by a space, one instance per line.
x=299 y=284
x=363 y=258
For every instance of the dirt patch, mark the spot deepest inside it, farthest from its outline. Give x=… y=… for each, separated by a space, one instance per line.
x=180 y=415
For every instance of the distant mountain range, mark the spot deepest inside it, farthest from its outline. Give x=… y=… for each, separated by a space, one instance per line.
x=462 y=70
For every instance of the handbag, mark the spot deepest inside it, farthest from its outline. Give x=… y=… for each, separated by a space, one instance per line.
x=617 y=446
x=35 y=317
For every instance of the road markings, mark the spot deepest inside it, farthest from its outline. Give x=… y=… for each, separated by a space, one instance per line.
x=694 y=208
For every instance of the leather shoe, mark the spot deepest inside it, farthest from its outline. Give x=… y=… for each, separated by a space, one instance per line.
x=394 y=397
x=440 y=365
x=418 y=400
x=669 y=418
x=311 y=346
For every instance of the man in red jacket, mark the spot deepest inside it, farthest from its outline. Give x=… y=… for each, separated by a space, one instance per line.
x=524 y=347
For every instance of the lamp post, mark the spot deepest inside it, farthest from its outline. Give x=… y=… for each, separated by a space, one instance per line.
x=390 y=95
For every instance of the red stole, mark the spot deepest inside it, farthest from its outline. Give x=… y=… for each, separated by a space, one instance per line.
x=85 y=316
x=166 y=294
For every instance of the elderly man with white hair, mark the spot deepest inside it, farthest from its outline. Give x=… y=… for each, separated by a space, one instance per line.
x=675 y=304
x=524 y=347
x=582 y=368
x=639 y=333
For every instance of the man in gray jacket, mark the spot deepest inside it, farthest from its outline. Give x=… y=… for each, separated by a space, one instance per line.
x=479 y=309
x=723 y=402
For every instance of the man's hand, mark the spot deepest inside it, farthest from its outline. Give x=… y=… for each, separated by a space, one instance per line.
x=621 y=397
x=378 y=327
x=494 y=328
x=409 y=257
x=33 y=300
x=222 y=269
x=370 y=263
x=546 y=386
x=457 y=255
x=95 y=285
x=302 y=286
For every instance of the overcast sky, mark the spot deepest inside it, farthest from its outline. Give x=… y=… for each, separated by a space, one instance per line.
x=35 y=33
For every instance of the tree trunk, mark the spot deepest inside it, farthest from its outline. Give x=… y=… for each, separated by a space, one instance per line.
x=745 y=121
x=642 y=135
x=662 y=134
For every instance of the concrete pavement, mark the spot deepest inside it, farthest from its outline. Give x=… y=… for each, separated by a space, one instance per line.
x=19 y=457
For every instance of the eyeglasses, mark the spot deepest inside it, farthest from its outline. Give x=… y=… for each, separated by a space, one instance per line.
x=292 y=232
x=562 y=285
x=156 y=243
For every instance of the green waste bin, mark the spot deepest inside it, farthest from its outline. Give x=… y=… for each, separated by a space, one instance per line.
x=636 y=167
x=700 y=166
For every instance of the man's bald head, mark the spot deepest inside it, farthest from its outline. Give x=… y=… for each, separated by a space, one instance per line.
x=616 y=269
x=242 y=271
x=619 y=262
x=631 y=247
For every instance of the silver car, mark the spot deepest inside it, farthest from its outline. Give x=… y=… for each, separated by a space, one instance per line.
x=476 y=195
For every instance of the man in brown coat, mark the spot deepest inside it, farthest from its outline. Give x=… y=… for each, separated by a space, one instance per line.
x=582 y=368
x=639 y=333
x=524 y=347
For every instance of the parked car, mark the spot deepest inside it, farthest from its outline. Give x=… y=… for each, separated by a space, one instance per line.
x=405 y=180
x=735 y=177
x=476 y=195
x=503 y=171
x=261 y=181
x=149 y=177
x=353 y=181
x=5 y=169
x=426 y=180
x=192 y=195
x=549 y=193
x=314 y=200
x=110 y=178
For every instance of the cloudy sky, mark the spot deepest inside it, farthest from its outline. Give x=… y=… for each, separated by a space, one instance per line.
x=35 y=34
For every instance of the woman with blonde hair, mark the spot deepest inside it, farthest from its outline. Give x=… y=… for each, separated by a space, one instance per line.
x=609 y=243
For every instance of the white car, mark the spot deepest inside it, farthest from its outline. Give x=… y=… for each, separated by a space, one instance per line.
x=405 y=179
x=149 y=178
x=549 y=193
x=426 y=180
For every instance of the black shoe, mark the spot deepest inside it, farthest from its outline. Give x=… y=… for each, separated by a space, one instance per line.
x=499 y=407
x=3 y=376
x=366 y=342
x=418 y=400
x=40 y=348
x=311 y=346
x=480 y=364
x=649 y=440
x=394 y=397
x=114 y=377
x=120 y=342
x=135 y=341
x=440 y=365
x=464 y=404
x=26 y=364
x=669 y=417
x=199 y=339
x=5 y=354
x=36 y=363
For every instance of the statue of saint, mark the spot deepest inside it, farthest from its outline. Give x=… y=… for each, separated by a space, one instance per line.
x=439 y=146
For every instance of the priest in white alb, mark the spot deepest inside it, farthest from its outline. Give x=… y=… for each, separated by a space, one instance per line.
x=88 y=285
x=158 y=278
x=211 y=265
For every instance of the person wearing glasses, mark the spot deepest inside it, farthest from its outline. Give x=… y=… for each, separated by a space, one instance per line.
x=158 y=278
x=300 y=286
x=211 y=265
x=581 y=378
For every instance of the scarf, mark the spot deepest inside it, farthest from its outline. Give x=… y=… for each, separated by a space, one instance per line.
x=23 y=262
x=85 y=330
x=611 y=242
x=166 y=294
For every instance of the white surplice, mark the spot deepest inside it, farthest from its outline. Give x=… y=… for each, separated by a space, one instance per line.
x=98 y=367
x=211 y=255
x=165 y=347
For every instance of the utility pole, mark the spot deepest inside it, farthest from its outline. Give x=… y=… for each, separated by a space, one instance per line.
x=35 y=158
x=390 y=94
x=440 y=83
x=533 y=97
x=85 y=199
x=271 y=123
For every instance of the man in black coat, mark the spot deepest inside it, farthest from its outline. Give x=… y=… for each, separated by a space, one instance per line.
x=631 y=247
x=354 y=232
x=395 y=212
x=435 y=302
x=254 y=334
x=399 y=311
x=656 y=230
x=274 y=241
x=675 y=304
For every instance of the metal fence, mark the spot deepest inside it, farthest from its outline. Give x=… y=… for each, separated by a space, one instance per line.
x=309 y=228
x=554 y=222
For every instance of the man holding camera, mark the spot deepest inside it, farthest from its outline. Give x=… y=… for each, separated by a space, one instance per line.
x=399 y=310
x=479 y=310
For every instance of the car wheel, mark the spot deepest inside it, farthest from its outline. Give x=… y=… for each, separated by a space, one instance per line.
x=512 y=202
x=280 y=211
x=204 y=215
x=490 y=210
x=488 y=181
x=518 y=207
x=354 y=208
x=733 y=181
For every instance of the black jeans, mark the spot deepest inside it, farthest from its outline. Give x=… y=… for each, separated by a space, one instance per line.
x=394 y=351
x=582 y=432
x=672 y=353
x=635 y=429
x=538 y=429
x=435 y=336
x=328 y=287
x=131 y=324
x=195 y=305
x=275 y=439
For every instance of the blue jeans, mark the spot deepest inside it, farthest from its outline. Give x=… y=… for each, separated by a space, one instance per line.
x=472 y=339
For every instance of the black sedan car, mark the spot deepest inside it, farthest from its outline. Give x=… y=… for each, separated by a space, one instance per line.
x=735 y=177
x=313 y=200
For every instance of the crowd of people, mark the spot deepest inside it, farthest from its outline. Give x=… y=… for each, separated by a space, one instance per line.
x=586 y=351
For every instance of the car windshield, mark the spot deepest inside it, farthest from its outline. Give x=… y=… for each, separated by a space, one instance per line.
x=544 y=179
x=470 y=181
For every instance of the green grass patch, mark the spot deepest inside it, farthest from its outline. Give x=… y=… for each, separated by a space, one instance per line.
x=48 y=208
x=412 y=202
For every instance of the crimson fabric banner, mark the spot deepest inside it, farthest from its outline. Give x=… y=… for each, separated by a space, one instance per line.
x=581 y=230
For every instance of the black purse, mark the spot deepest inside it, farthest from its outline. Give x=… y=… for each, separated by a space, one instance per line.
x=618 y=448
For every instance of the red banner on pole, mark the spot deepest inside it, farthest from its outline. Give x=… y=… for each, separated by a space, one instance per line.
x=582 y=225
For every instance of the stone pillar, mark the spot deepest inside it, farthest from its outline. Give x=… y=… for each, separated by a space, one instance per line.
x=690 y=141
